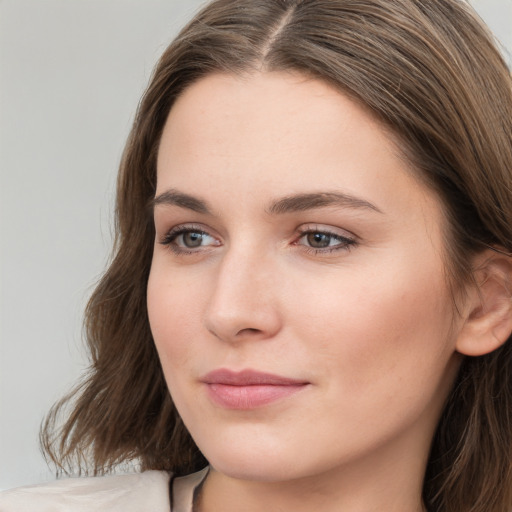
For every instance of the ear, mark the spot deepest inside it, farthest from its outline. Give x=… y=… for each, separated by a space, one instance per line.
x=488 y=312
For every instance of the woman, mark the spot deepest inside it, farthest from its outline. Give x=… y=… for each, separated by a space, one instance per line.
x=309 y=307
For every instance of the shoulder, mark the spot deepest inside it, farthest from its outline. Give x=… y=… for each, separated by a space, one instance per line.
x=121 y=493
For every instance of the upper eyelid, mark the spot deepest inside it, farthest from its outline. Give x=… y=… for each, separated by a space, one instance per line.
x=186 y=228
x=328 y=230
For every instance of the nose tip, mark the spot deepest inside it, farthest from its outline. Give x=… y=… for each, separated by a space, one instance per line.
x=241 y=318
x=244 y=302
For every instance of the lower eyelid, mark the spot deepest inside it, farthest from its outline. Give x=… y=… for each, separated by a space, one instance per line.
x=336 y=249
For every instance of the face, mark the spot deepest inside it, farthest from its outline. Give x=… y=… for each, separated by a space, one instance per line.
x=297 y=294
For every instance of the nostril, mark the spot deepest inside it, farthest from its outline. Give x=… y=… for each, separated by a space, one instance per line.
x=248 y=330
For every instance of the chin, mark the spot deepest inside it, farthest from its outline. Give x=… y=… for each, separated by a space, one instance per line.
x=255 y=469
x=259 y=459
x=254 y=459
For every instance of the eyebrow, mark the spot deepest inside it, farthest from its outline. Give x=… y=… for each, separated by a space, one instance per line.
x=173 y=197
x=302 y=202
x=288 y=204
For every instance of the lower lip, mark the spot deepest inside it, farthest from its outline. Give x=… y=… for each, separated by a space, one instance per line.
x=250 y=397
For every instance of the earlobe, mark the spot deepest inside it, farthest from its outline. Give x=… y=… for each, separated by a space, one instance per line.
x=488 y=322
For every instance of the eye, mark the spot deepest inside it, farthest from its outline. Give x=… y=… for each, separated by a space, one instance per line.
x=188 y=239
x=319 y=240
x=191 y=239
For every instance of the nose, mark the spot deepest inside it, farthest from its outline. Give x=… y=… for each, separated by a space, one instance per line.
x=244 y=301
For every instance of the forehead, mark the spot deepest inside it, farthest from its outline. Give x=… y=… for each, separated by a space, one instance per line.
x=277 y=120
x=262 y=94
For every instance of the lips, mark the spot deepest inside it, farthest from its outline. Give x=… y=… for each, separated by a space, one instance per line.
x=249 y=389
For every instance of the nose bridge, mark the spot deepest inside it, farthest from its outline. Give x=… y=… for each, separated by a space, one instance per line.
x=243 y=301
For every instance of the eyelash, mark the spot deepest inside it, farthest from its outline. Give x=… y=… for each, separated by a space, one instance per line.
x=344 y=243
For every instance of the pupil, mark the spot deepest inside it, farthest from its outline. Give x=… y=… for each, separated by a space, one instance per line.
x=318 y=240
x=192 y=239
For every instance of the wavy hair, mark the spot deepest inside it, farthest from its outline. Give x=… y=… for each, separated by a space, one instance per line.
x=430 y=71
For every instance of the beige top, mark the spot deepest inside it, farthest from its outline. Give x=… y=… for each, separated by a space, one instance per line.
x=141 y=492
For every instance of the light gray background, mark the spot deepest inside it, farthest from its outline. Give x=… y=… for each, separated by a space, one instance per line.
x=71 y=74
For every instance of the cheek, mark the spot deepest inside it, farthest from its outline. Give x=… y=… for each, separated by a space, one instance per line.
x=173 y=311
x=378 y=328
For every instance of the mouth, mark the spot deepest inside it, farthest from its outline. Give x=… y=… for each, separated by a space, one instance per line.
x=249 y=389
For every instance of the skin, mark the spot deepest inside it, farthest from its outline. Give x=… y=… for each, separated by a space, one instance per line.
x=368 y=324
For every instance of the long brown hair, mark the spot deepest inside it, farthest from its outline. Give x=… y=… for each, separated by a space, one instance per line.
x=430 y=71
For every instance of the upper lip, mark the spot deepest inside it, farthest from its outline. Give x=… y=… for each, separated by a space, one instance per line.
x=248 y=378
